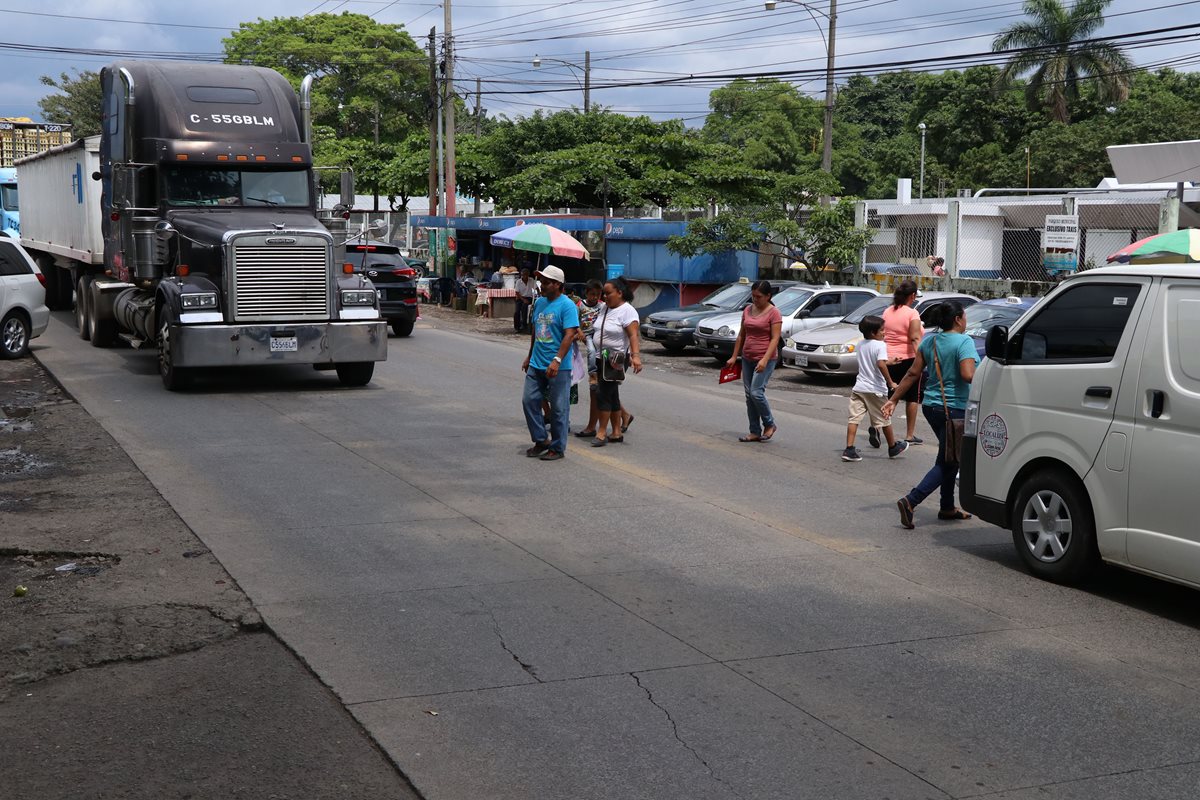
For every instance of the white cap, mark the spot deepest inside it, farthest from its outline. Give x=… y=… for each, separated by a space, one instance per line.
x=552 y=273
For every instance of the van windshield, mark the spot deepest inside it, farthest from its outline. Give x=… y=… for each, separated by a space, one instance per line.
x=202 y=186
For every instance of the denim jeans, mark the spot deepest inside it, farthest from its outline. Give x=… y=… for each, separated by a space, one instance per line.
x=557 y=390
x=755 y=383
x=941 y=474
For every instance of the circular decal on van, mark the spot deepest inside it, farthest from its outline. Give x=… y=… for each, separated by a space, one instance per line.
x=993 y=435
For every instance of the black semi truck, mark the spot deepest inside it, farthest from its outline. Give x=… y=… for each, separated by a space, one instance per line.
x=190 y=225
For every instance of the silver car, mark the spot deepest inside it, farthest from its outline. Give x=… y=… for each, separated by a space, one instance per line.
x=834 y=350
x=803 y=307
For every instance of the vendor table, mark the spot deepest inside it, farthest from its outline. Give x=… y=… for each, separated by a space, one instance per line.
x=508 y=302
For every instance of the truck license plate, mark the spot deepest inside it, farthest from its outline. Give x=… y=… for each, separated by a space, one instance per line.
x=801 y=361
x=284 y=344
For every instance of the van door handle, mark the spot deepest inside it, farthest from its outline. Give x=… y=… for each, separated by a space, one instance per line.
x=1158 y=401
x=1099 y=391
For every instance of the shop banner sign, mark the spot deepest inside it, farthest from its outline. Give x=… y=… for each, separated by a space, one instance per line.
x=1060 y=244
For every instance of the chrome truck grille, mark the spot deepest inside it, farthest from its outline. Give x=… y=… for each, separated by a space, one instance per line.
x=281 y=281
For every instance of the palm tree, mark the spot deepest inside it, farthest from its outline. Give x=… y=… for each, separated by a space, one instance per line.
x=1054 y=44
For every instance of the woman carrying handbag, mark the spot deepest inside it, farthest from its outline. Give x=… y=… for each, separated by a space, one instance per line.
x=617 y=346
x=952 y=357
x=757 y=346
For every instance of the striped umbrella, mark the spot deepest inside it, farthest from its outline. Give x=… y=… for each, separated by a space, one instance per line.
x=539 y=238
x=1177 y=247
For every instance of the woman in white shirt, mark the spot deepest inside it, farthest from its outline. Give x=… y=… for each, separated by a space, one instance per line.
x=616 y=342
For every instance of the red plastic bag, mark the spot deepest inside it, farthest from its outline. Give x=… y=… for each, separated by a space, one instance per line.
x=729 y=373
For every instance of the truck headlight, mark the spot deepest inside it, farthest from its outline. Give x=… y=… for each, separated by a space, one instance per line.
x=971 y=419
x=358 y=297
x=198 y=301
x=838 y=349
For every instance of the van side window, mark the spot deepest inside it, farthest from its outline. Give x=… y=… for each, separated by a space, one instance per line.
x=1082 y=324
x=11 y=262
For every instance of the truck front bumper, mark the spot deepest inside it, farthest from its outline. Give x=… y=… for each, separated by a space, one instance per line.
x=309 y=343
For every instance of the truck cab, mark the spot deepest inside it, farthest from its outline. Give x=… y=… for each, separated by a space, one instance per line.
x=10 y=207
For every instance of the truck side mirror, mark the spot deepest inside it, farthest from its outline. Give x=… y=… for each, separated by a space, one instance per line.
x=995 y=346
x=164 y=230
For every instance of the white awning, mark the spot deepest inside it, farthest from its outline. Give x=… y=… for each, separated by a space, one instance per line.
x=1164 y=162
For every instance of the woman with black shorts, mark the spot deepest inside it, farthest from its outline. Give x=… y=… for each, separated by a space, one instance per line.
x=902 y=332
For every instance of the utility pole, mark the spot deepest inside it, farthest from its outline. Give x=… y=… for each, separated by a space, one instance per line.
x=827 y=154
x=451 y=184
x=587 y=81
x=433 y=125
x=376 y=147
x=478 y=121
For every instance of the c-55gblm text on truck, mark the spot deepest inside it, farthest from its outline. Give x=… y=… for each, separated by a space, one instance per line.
x=190 y=224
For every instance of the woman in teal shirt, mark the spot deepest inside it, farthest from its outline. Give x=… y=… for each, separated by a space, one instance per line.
x=957 y=357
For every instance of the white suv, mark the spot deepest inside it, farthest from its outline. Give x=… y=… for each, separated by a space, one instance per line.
x=1083 y=426
x=23 y=312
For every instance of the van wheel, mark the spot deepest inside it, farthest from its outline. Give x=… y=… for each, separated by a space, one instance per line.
x=14 y=335
x=1053 y=528
x=83 y=294
x=356 y=374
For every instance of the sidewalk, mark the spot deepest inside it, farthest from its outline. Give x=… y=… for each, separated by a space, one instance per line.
x=133 y=666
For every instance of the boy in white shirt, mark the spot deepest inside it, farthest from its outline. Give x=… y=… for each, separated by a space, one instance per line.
x=871 y=390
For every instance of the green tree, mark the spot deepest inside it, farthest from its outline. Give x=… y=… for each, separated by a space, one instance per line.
x=776 y=128
x=1057 y=50
x=77 y=102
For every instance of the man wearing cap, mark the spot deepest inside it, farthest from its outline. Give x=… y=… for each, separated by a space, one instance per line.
x=555 y=324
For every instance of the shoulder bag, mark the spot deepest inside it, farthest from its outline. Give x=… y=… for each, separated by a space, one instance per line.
x=952 y=441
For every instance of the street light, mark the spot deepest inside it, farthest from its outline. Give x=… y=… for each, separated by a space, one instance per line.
x=587 y=74
x=1027 y=170
x=827 y=152
x=921 y=189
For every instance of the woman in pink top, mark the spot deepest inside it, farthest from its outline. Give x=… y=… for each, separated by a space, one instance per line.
x=758 y=346
x=902 y=332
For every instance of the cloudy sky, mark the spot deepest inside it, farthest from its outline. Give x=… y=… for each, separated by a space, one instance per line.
x=656 y=57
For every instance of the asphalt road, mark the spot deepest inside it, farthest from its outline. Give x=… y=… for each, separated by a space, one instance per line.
x=682 y=616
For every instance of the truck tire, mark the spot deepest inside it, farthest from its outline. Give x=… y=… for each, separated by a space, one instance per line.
x=403 y=327
x=55 y=290
x=83 y=291
x=101 y=332
x=1053 y=528
x=174 y=378
x=356 y=374
x=14 y=335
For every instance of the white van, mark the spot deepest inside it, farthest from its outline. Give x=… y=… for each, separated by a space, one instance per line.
x=1083 y=426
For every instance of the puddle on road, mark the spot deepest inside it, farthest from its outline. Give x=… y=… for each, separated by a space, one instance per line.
x=15 y=462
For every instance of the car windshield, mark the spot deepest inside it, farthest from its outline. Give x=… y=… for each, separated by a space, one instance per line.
x=875 y=306
x=982 y=317
x=8 y=197
x=789 y=300
x=734 y=296
x=201 y=186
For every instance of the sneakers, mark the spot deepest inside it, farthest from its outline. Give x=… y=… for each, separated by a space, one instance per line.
x=537 y=449
x=915 y=440
x=851 y=454
x=873 y=436
x=897 y=450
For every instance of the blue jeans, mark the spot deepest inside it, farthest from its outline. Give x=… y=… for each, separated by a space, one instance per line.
x=941 y=474
x=755 y=383
x=557 y=390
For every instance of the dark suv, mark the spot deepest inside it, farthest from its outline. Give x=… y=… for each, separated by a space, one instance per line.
x=393 y=277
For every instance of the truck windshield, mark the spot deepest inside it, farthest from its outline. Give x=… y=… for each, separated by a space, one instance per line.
x=8 y=197
x=192 y=186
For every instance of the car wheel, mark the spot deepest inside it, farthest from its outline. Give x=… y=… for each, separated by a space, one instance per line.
x=402 y=327
x=14 y=335
x=82 y=311
x=1053 y=528
x=174 y=378
x=356 y=374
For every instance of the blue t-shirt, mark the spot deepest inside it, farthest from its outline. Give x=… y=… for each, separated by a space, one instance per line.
x=953 y=348
x=551 y=318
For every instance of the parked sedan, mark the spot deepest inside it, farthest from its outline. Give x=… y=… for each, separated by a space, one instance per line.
x=23 y=311
x=832 y=350
x=675 y=329
x=803 y=307
x=394 y=279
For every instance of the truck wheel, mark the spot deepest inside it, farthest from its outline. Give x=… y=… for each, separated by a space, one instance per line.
x=83 y=291
x=14 y=335
x=1053 y=528
x=174 y=378
x=356 y=374
x=403 y=327
x=54 y=287
x=101 y=332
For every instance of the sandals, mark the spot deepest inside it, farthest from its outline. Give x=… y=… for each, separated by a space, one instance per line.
x=628 y=422
x=586 y=434
x=750 y=438
x=766 y=437
x=955 y=514
x=906 y=513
